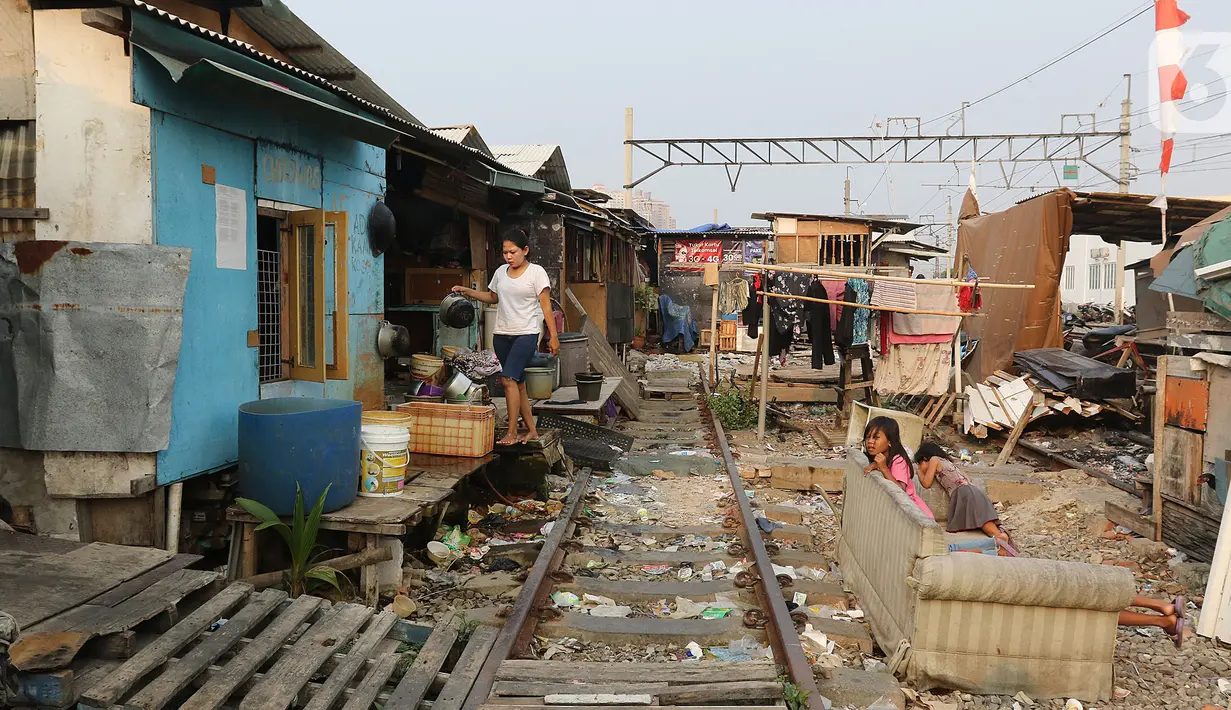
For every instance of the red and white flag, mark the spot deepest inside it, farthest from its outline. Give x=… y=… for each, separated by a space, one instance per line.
x=1169 y=50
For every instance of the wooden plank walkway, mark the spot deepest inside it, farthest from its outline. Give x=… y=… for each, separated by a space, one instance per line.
x=315 y=655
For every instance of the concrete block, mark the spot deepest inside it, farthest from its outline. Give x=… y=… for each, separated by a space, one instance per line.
x=494 y=584
x=389 y=572
x=783 y=514
x=858 y=688
x=1008 y=489
x=798 y=534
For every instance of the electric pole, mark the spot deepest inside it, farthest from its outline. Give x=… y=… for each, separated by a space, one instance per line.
x=846 y=190
x=628 y=158
x=949 y=240
x=1126 y=145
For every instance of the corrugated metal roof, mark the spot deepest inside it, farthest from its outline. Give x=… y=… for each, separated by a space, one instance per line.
x=411 y=127
x=875 y=223
x=285 y=31
x=730 y=233
x=246 y=48
x=545 y=162
x=466 y=135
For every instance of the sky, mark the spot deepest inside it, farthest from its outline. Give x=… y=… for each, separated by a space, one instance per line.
x=563 y=72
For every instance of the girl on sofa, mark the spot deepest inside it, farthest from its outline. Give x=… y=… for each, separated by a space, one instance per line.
x=883 y=443
x=969 y=507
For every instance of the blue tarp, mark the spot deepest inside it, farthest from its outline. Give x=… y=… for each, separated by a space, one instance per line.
x=677 y=321
x=700 y=230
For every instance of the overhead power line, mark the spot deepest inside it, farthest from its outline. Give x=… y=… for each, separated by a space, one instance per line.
x=1122 y=22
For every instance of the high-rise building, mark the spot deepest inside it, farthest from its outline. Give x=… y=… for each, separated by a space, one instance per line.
x=656 y=211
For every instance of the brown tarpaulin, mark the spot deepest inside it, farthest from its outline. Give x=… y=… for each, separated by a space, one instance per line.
x=1025 y=244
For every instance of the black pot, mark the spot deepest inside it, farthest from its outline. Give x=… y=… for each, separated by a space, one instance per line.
x=456 y=311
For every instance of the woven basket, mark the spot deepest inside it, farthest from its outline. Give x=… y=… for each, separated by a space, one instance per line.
x=451 y=429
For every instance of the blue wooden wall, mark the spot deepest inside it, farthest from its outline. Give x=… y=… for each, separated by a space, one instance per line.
x=217 y=371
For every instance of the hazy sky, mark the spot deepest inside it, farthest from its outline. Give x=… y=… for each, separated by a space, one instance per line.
x=561 y=72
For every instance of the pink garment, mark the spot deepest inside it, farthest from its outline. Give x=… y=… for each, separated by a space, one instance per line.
x=900 y=471
x=899 y=339
x=834 y=291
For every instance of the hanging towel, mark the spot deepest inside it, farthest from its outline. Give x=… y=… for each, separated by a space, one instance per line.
x=929 y=297
x=732 y=296
x=893 y=294
x=862 y=316
x=915 y=369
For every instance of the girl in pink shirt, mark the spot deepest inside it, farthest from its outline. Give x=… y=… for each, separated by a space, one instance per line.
x=883 y=443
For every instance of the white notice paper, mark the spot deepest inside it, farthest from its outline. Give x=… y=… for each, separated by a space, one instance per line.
x=231 y=227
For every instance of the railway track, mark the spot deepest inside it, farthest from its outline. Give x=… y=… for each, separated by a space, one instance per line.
x=513 y=677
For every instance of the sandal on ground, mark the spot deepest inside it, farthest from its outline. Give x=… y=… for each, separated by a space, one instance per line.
x=1178 y=637
x=1180 y=603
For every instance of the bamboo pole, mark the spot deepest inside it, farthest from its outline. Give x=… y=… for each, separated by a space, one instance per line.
x=875 y=277
x=909 y=311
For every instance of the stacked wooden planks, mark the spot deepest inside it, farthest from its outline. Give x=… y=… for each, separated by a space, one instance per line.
x=1000 y=401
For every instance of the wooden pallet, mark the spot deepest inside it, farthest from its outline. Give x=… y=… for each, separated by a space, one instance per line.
x=317 y=656
x=667 y=392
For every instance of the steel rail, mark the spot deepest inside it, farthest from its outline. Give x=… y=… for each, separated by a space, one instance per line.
x=783 y=639
x=516 y=631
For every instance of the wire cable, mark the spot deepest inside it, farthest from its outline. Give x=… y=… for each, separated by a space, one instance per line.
x=1122 y=22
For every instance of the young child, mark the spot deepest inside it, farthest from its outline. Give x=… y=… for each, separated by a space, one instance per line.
x=969 y=507
x=883 y=443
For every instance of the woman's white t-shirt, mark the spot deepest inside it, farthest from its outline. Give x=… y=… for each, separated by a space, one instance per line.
x=518 y=311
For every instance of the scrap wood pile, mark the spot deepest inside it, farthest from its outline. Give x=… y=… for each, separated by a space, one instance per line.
x=1052 y=384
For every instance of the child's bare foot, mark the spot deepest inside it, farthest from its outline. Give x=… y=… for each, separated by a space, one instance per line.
x=529 y=436
x=509 y=439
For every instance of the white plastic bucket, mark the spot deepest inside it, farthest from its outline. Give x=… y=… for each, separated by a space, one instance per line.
x=383 y=456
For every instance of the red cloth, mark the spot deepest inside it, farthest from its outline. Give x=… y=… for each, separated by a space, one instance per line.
x=890 y=338
x=970 y=298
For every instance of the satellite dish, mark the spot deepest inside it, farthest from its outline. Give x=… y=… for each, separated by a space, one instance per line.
x=382 y=228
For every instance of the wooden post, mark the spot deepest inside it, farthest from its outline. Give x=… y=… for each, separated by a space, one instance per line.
x=712 y=279
x=1160 y=421
x=1035 y=400
x=756 y=365
x=764 y=373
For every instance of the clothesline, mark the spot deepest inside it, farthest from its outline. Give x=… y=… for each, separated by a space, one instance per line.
x=874 y=277
x=911 y=311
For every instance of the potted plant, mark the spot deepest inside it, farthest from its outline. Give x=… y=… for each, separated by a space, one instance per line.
x=638 y=338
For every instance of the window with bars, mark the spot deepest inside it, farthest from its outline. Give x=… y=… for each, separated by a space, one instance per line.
x=269 y=314
x=1070 y=276
x=1092 y=278
x=1109 y=276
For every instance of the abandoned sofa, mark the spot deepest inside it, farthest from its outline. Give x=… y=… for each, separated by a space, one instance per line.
x=973 y=622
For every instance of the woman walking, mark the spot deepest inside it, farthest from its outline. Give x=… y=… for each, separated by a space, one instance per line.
x=522 y=295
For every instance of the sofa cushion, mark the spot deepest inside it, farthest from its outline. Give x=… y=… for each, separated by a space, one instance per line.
x=1025 y=582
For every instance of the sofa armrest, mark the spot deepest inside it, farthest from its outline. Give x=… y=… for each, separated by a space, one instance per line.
x=1023 y=582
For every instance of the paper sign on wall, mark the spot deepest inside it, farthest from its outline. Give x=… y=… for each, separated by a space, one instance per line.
x=231 y=228
x=701 y=251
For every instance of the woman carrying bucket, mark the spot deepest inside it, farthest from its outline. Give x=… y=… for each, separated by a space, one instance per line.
x=522 y=295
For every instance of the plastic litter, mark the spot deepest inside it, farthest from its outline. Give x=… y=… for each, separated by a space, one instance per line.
x=684 y=574
x=874 y=665
x=714 y=613
x=687 y=609
x=788 y=571
x=655 y=569
x=455 y=540
x=694 y=650
x=799 y=598
x=615 y=612
x=815 y=641
x=811 y=573
x=1073 y=704
x=599 y=600
x=661 y=608
x=565 y=599
x=546 y=529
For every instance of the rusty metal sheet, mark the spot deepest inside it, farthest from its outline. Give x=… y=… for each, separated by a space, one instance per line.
x=1187 y=403
x=89 y=344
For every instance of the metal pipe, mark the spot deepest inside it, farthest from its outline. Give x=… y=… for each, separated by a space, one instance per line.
x=782 y=636
x=533 y=592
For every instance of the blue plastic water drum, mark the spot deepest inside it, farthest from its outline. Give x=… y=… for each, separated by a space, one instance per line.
x=312 y=441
